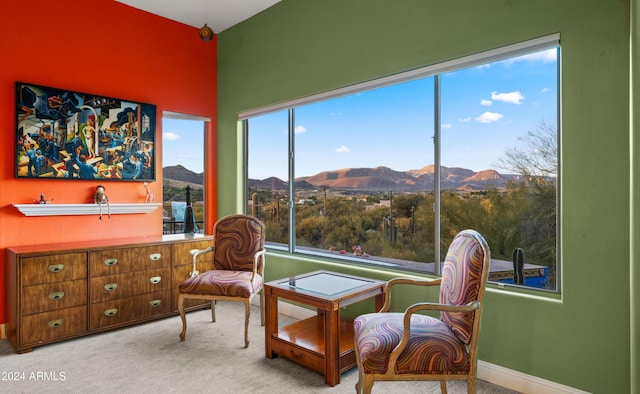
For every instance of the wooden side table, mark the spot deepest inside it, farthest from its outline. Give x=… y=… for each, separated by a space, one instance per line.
x=323 y=342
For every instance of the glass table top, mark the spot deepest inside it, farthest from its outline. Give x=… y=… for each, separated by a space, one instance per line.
x=326 y=283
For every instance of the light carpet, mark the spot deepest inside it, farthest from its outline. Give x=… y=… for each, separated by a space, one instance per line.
x=149 y=358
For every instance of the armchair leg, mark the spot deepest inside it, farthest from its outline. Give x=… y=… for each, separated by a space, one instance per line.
x=247 y=309
x=182 y=316
x=213 y=311
x=262 y=307
x=367 y=383
x=443 y=387
x=471 y=385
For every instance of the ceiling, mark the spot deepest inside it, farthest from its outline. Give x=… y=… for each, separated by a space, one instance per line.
x=218 y=14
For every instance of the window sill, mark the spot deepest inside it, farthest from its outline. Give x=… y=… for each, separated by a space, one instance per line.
x=82 y=209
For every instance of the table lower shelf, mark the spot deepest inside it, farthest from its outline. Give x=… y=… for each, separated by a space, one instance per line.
x=303 y=343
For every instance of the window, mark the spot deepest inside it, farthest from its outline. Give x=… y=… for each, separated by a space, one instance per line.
x=183 y=141
x=387 y=172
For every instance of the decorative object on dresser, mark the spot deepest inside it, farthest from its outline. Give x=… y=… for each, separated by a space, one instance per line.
x=411 y=346
x=63 y=291
x=237 y=275
x=101 y=199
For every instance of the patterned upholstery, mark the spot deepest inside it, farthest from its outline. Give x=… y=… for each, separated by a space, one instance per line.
x=429 y=347
x=461 y=283
x=222 y=283
x=432 y=347
x=237 y=241
x=238 y=266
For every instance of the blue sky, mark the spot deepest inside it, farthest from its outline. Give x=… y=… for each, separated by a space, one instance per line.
x=484 y=110
x=183 y=143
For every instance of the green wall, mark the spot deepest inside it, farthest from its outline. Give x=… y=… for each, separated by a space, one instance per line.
x=302 y=47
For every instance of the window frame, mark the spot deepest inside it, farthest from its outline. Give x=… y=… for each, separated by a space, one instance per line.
x=435 y=70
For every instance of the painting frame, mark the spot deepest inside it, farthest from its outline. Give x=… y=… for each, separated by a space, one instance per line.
x=66 y=134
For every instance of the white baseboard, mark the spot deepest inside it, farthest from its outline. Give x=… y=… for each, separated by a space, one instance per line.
x=492 y=373
x=521 y=382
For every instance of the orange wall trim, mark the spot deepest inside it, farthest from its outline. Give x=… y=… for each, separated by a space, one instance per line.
x=107 y=48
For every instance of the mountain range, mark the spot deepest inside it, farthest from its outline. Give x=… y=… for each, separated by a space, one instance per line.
x=180 y=177
x=371 y=179
x=384 y=178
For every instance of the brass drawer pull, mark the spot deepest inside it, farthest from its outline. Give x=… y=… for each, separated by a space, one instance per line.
x=56 y=295
x=111 y=312
x=56 y=267
x=155 y=256
x=56 y=323
x=110 y=286
x=111 y=262
x=155 y=280
x=155 y=303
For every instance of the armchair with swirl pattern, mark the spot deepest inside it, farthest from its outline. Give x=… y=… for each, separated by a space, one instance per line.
x=238 y=268
x=413 y=346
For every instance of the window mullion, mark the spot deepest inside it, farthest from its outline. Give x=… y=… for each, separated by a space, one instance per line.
x=436 y=171
x=291 y=200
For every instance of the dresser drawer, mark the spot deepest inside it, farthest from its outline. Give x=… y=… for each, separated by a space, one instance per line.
x=181 y=255
x=131 y=309
x=111 y=287
x=56 y=324
x=53 y=268
x=58 y=295
x=117 y=261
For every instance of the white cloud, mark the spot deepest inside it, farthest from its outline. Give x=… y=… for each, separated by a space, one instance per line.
x=489 y=117
x=300 y=129
x=512 y=97
x=464 y=120
x=169 y=136
x=545 y=90
x=446 y=125
x=548 y=56
x=342 y=149
x=486 y=102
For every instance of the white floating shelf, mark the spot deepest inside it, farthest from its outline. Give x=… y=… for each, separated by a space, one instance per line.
x=82 y=209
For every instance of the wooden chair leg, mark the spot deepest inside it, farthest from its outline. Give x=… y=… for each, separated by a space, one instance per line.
x=262 y=307
x=367 y=383
x=471 y=385
x=443 y=387
x=182 y=316
x=360 y=369
x=359 y=382
x=213 y=311
x=247 y=309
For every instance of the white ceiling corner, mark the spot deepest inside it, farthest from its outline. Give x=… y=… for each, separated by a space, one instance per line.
x=218 y=14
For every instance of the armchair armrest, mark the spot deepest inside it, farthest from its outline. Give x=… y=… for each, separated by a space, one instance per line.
x=403 y=281
x=259 y=256
x=195 y=253
x=395 y=353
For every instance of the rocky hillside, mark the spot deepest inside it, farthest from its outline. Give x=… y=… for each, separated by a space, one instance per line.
x=179 y=177
x=384 y=178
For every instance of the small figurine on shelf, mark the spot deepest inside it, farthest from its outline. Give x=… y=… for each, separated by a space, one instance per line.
x=150 y=196
x=42 y=200
x=101 y=199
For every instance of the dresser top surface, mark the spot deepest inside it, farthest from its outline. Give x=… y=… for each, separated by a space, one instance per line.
x=107 y=243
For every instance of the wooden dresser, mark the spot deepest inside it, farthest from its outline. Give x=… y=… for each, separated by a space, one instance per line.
x=63 y=291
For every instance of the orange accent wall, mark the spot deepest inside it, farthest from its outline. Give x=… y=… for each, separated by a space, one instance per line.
x=107 y=48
